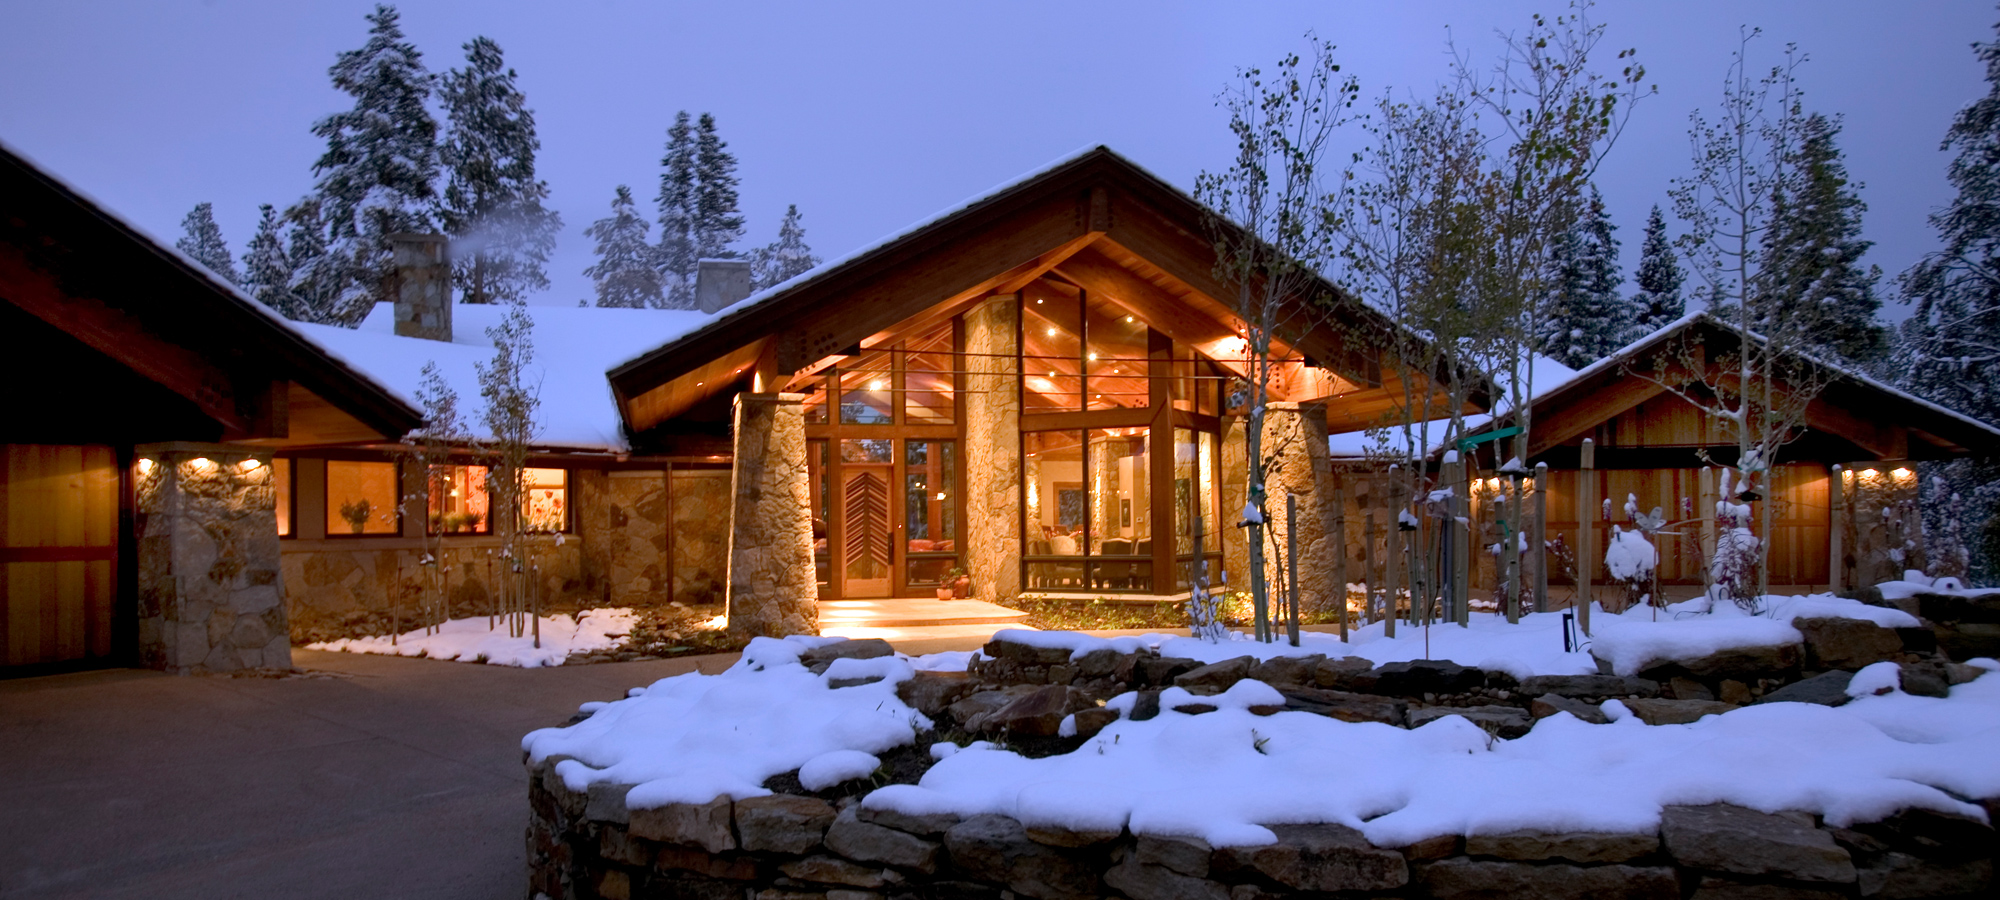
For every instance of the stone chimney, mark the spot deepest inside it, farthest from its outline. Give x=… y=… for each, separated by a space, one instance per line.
x=720 y=282
x=421 y=285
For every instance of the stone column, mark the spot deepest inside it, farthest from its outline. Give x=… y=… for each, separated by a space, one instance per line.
x=992 y=552
x=1235 y=493
x=1295 y=437
x=771 y=592
x=210 y=595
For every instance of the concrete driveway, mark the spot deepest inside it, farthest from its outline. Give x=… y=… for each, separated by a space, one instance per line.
x=395 y=778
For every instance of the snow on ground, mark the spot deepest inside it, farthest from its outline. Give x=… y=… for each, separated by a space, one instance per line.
x=1859 y=762
x=1534 y=646
x=693 y=737
x=1909 y=587
x=475 y=640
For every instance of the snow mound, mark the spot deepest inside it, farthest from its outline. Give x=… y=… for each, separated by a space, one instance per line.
x=480 y=639
x=828 y=769
x=693 y=737
x=1694 y=628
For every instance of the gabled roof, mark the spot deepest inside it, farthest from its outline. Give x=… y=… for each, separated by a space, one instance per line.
x=68 y=260
x=1095 y=213
x=1882 y=420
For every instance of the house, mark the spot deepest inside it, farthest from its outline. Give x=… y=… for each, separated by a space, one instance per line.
x=137 y=520
x=1843 y=493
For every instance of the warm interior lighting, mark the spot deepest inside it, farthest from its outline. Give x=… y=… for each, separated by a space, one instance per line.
x=1092 y=357
x=1038 y=301
x=1052 y=332
x=145 y=465
x=940 y=495
x=878 y=385
x=699 y=383
x=1128 y=319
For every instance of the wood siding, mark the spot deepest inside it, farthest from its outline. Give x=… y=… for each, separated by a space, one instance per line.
x=1799 y=520
x=58 y=552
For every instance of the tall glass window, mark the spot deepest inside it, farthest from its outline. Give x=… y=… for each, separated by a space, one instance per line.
x=930 y=504
x=1115 y=358
x=458 y=500
x=866 y=397
x=1121 y=499
x=929 y=379
x=545 y=500
x=281 y=490
x=1051 y=354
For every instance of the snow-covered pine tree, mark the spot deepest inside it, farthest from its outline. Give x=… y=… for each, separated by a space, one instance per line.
x=1950 y=347
x=492 y=203
x=624 y=270
x=322 y=272
x=1584 y=318
x=676 y=257
x=378 y=173
x=201 y=239
x=717 y=222
x=1816 y=287
x=1658 y=302
x=267 y=269
x=785 y=258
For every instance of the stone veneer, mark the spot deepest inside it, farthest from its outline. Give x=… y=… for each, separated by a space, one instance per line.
x=1295 y=434
x=210 y=596
x=993 y=450
x=1235 y=493
x=772 y=590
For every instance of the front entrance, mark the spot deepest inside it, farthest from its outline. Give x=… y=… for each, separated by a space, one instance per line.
x=58 y=552
x=890 y=507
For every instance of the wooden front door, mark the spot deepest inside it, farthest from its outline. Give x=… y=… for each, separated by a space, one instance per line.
x=865 y=552
x=58 y=552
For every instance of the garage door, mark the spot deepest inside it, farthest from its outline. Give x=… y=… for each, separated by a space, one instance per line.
x=58 y=552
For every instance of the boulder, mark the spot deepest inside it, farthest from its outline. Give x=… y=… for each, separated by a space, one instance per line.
x=834 y=870
x=1737 y=841
x=782 y=823
x=1505 y=721
x=1714 y=887
x=1841 y=643
x=1345 y=706
x=1098 y=663
x=1472 y=879
x=1733 y=691
x=1689 y=689
x=1745 y=663
x=982 y=703
x=869 y=843
x=1348 y=673
x=1596 y=686
x=1549 y=704
x=1160 y=671
x=1024 y=654
x=1186 y=855
x=1064 y=837
x=605 y=802
x=1140 y=881
x=931 y=693
x=1091 y=721
x=928 y=825
x=1145 y=706
x=1320 y=858
x=1825 y=689
x=997 y=849
x=1215 y=678
x=704 y=825
x=1675 y=712
x=1575 y=846
x=689 y=859
x=1927 y=678
x=1960 y=673
x=818 y=658
x=1287 y=670
x=1932 y=834
x=1899 y=875
x=1037 y=714
x=1427 y=676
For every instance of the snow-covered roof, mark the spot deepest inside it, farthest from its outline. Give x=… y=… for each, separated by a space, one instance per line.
x=1545 y=375
x=573 y=346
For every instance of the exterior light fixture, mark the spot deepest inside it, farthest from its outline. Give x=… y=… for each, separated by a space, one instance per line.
x=145 y=465
x=1868 y=472
x=249 y=465
x=1901 y=472
x=200 y=462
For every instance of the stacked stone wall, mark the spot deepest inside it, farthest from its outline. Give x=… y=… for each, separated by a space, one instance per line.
x=336 y=593
x=209 y=594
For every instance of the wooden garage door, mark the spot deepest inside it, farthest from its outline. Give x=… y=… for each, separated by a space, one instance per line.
x=58 y=551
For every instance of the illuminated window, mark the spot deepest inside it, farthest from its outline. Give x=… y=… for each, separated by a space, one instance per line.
x=362 y=498
x=458 y=501
x=281 y=491
x=866 y=394
x=929 y=376
x=545 y=500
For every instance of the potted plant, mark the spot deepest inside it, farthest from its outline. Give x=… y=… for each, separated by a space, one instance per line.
x=944 y=592
x=356 y=514
x=960 y=582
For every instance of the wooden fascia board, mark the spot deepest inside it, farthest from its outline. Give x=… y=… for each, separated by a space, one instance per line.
x=1887 y=441
x=1556 y=424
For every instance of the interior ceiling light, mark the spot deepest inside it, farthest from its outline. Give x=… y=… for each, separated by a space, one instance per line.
x=1052 y=332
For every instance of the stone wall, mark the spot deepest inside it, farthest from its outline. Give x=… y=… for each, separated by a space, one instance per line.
x=772 y=589
x=993 y=450
x=209 y=594
x=335 y=592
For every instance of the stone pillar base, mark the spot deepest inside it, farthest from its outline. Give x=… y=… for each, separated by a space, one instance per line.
x=993 y=450
x=772 y=591
x=210 y=596
x=1295 y=439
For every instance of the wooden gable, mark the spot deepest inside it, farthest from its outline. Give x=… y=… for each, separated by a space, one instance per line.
x=1097 y=222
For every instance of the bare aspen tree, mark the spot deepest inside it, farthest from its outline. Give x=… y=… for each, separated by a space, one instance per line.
x=1271 y=220
x=511 y=404
x=429 y=448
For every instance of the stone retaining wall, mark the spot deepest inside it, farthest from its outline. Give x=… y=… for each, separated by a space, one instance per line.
x=787 y=847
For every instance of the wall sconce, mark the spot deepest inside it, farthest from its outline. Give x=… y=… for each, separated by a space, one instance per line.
x=145 y=466
x=201 y=463
x=249 y=465
x=1900 y=472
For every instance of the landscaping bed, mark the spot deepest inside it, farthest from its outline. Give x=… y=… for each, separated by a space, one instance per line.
x=1061 y=765
x=577 y=637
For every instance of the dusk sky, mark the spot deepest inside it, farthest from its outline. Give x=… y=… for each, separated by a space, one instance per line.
x=872 y=116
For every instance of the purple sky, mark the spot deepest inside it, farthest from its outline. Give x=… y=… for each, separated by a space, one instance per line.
x=871 y=116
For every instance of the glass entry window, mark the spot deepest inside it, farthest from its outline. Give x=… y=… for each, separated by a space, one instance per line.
x=1089 y=509
x=886 y=517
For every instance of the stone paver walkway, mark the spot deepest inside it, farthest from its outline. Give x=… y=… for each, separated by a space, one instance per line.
x=402 y=778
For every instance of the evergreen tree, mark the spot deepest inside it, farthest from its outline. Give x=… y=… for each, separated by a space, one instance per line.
x=624 y=270
x=267 y=268
x=676 y=257
x=717 y=224
x=1658 y=302
x=201 y=240
x=1583 y=317
x=322 y=273
x=785 y=258
x=492 y=202
x=1815 y=286
x=376 y=177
